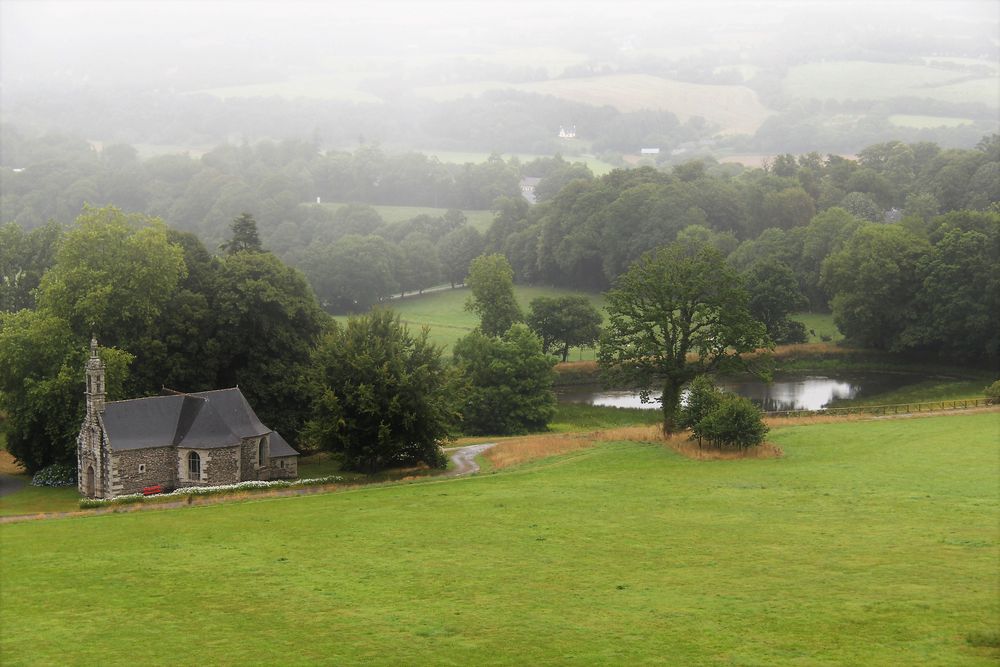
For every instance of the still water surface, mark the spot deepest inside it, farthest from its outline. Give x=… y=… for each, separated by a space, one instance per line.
x=787 y=392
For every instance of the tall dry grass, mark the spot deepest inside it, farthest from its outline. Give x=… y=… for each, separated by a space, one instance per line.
x=529 y=448
x=8 y=465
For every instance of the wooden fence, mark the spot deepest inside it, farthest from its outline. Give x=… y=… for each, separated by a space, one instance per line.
x=899 y=409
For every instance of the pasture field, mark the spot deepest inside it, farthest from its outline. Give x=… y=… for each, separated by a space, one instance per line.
x=820 y=324
x=597 y=166
x=927 y=122
x=868 y=542
x=444 y=312
x=870 y=80
x=735 y=109
x=480 y=219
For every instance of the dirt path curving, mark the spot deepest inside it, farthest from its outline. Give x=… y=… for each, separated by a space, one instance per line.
x=10 y=483
x=464 y=458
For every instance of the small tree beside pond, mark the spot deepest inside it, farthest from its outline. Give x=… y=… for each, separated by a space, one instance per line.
x=721 y=418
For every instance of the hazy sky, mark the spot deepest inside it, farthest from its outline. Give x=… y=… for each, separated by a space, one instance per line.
x=104 y=42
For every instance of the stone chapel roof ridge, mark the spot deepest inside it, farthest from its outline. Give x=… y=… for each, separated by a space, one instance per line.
x=202 y=420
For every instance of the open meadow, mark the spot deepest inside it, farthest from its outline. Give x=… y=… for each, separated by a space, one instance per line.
x=734 y=108
x=443 y=312
x=868 y=542
x=480 y=219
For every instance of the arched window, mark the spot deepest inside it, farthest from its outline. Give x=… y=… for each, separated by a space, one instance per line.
x=260 y=452
x=194 y=466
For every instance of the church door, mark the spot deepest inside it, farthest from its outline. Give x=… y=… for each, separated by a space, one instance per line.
x=91 y=490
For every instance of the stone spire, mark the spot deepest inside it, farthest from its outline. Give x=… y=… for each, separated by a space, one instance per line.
x=95 y=382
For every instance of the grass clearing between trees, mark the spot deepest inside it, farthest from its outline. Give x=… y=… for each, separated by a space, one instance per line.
x=868 y=542
x=444 y=312
x=480 y=219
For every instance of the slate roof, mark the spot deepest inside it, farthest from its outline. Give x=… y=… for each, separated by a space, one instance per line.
x=279 y=447
x=202 y=420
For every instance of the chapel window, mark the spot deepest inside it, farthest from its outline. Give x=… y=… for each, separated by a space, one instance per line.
x=260 y=452
x=194 y=465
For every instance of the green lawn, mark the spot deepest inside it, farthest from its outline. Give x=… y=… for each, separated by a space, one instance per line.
x=926 y=122
x=876 y=81
x=444 y=312
x=597 y=166
x=868 y=543
x=480 y=219
x=818 y=326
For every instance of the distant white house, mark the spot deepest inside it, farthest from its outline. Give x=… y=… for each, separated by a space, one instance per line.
x=650 y=151
x=567 y=132
x=528 y=184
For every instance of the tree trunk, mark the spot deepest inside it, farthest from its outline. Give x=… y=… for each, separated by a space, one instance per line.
x=565 y=352
x=671 y=401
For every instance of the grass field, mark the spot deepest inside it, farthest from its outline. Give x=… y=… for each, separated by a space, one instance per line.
x=819 y=325
x=734 y=108
x=444 y=312
x=871 y=80
x=927 y=122
x=598 y=167
x=480 y=219
x=867 y=543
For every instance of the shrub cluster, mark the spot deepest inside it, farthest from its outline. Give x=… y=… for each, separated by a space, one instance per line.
x=57 y=474
x=993 y=393
x=722 y=418
x=210 y=490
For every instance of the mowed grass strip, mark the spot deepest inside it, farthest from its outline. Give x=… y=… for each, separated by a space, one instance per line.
x=867 y=543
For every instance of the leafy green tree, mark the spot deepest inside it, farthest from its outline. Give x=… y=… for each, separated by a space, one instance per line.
x=268 y=325
x=958 y=303
x=244 y=235
x=774 y=294
x=385 y=397
x=875 y=279
x=791 y=207
x=492 y=283
x=353 y=274
x=703 y=397
x=113 y=276
x=419 y=266
x=181 y=350
x=673 y=302
x=457 y=250
x=563 y=322
x=862 y=206
x=508 y=382
x=41 y=392
x=24 y=258
x=734 y=422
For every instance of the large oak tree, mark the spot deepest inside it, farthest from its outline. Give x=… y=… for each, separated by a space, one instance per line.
x=678 y=312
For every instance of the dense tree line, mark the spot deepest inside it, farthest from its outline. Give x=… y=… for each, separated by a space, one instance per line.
x=591 y=231
x=170 y=315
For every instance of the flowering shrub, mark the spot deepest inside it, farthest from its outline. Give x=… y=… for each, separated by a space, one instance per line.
x=210 y=490
x=57 y=474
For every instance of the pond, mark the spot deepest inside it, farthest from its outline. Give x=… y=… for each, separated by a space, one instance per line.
x=787 y=392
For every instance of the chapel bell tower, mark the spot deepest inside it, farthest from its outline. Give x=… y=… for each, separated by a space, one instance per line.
x=95 y=383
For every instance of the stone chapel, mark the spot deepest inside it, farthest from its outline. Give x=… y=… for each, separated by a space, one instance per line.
x=177 y=440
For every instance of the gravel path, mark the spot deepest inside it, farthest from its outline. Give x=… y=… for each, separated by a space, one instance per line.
x=10 y=484
x=465 y=458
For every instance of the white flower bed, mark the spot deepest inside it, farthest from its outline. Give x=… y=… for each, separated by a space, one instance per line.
x=208 y=490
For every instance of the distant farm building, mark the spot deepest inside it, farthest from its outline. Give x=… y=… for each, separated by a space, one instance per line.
x=528 y=184
x=567 y=132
